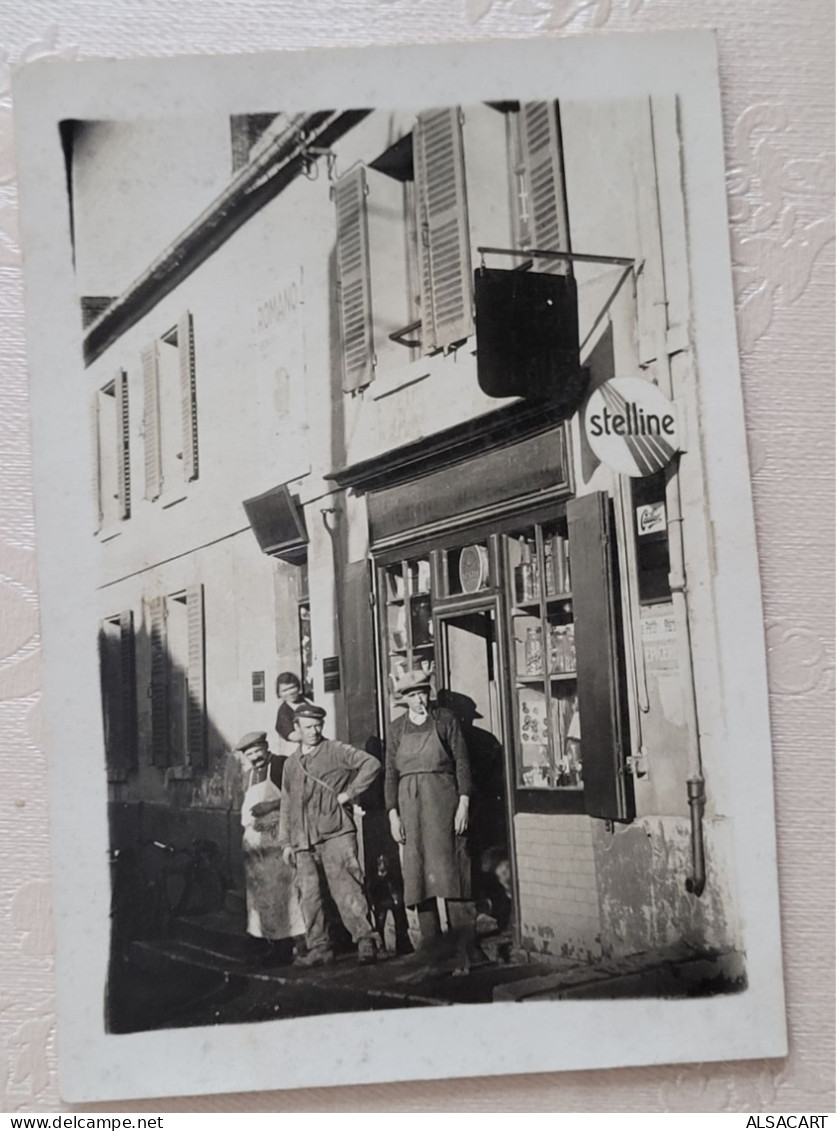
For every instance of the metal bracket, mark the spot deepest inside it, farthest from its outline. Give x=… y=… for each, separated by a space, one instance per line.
x=638 y=765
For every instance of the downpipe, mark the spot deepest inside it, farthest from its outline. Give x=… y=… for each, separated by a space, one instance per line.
x=697 y=797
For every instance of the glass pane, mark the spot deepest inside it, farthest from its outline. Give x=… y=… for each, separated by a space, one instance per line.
x=533 y=739
x=567 y=737
x=419 y=576
x=523 y=568
x=468 y=569
x=556 y=550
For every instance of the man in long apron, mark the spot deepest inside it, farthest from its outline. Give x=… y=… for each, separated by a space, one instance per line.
x=273 y=909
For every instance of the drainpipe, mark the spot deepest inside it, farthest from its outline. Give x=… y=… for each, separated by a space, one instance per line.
x=696 y=794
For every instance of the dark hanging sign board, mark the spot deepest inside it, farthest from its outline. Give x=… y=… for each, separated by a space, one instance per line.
x=528 y=337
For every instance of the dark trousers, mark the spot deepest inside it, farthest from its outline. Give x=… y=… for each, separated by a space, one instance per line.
x=334 y=861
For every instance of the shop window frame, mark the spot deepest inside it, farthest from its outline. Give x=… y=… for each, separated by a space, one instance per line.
x=524 y=799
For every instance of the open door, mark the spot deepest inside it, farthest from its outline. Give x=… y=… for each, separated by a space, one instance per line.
x=469 y=680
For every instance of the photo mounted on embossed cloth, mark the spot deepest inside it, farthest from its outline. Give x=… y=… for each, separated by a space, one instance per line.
x=393 y=456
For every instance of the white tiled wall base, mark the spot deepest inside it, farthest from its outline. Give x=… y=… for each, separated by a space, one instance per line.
x=557 y=884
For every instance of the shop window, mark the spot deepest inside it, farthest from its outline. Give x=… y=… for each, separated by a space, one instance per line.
x=407 y=621
x=550 y=584
x=111 y=453
x=119 y=690
x=170 y=413
x=178 y=706
x=543 y=655
x=651 y=538
x=566 y=667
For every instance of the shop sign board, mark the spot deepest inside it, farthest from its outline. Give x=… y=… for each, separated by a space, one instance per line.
x=631 y=426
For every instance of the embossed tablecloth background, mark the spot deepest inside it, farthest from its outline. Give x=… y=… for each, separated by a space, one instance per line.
x=777 y=86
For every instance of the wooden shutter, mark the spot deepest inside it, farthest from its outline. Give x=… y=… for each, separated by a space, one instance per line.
x=358 y=645
x=188 y=401
x=541 y=146
x=353 y=271
x=96 y=476
x=127 y=692
x=195 y=678
x=151 y=422
x=442 y=222
x=123 y=442
x=159 y=682
x=600 y=679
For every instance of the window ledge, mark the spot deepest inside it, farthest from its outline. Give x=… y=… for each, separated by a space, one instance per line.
x=108 y=533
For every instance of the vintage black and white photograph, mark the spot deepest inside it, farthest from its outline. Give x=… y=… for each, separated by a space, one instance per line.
x=406 y=560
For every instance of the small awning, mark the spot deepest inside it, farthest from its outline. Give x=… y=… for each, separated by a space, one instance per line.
x=277 y=519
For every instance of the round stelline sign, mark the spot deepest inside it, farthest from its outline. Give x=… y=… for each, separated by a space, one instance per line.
x=631 y=426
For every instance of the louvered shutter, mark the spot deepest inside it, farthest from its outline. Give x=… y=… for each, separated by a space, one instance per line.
x=541 y=144
x=123 y=449
x=96 y=477
x=442 y=222
x=188 y=401
x=196 y=705
x=151 y=422
x=159 y=682
x=128 y=689
x=353 y=269
x=599 y=664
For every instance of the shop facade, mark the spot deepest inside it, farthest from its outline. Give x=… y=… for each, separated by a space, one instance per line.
x=355 y=474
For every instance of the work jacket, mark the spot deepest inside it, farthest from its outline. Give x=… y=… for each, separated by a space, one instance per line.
x=311 y=782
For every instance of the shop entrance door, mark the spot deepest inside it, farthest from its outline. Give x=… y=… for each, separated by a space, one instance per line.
x=470 y=683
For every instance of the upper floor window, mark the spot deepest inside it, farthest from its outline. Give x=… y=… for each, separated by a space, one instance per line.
x=170 y=416
x=111 y=452
x=411 y=279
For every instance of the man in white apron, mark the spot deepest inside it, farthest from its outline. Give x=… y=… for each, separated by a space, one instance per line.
x=273 y=910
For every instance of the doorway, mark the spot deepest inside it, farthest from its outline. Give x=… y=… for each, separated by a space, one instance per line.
x=470 y=684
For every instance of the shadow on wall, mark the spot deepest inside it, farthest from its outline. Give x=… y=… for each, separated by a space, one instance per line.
x=172 y=777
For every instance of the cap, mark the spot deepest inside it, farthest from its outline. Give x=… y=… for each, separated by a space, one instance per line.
x=309 y=711
x=252 y=738
x=413 y=681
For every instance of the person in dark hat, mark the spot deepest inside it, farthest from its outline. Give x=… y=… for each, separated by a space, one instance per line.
x=427 y=788
x=273 y=910
x=321 y=781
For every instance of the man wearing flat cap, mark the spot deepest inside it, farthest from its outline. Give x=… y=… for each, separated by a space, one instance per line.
x=273 y=910
x=320 y=783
